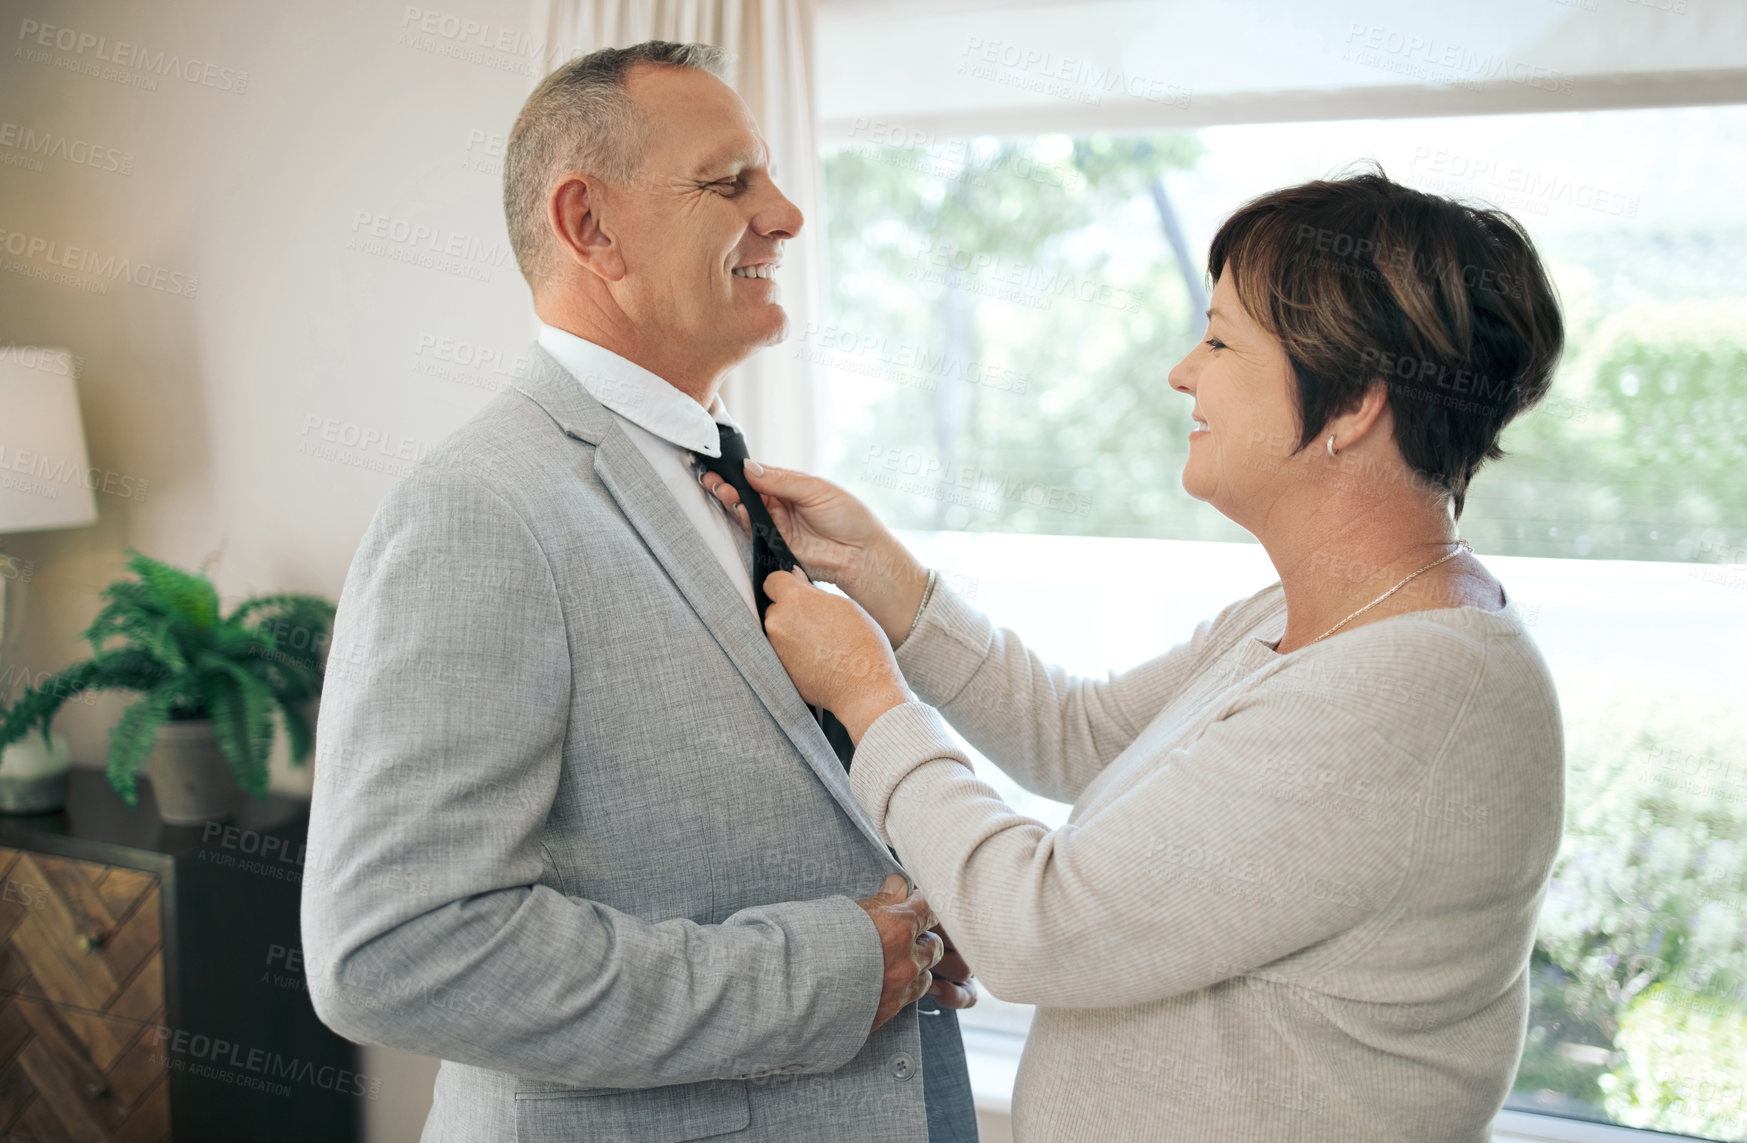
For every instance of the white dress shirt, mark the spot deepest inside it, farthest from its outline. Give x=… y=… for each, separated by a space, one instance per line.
x=667 y=426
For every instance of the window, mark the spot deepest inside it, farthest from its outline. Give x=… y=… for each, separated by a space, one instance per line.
x=1003 y=312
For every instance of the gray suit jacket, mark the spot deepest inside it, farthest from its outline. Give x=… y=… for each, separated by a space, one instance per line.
x=573 y=830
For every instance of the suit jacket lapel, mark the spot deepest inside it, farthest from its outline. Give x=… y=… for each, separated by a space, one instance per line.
x=648 y=505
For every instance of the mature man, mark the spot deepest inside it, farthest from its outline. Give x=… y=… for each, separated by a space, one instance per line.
x=573 y=831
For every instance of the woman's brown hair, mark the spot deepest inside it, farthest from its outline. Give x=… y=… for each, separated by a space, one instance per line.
x=1365 y=280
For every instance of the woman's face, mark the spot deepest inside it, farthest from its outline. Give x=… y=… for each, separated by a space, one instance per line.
x=1242 y=386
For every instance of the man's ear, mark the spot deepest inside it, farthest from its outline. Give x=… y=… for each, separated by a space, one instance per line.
x=576 y=213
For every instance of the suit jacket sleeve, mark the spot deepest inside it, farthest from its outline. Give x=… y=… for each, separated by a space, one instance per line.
x=439 y=752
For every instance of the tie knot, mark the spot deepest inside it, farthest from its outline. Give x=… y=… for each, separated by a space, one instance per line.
x=733 y=455
x=733 y=442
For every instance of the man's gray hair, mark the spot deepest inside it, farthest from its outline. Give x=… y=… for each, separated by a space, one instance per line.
x=580 y=119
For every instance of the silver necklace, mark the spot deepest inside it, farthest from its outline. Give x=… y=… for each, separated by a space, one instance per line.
x=1393 y=590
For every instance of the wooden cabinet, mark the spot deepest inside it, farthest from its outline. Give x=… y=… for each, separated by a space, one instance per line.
x=151 y=985
x=81 y=990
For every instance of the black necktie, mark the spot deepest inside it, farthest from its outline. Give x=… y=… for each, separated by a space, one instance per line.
x=770 y=553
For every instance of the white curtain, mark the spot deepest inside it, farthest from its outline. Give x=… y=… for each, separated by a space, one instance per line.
x=774 y=395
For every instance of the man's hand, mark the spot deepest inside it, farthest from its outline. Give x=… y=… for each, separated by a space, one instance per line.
x=954 y=986
x=910 y=948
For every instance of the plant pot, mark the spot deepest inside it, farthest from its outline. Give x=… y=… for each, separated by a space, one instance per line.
x=34 y=779
x=190 y=777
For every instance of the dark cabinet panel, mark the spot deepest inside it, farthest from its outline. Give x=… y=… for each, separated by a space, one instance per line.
x=145 y=994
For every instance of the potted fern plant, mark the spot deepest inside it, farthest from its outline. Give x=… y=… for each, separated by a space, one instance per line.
x=210 y=686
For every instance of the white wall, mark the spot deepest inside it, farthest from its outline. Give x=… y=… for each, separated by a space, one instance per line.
x=204 y=394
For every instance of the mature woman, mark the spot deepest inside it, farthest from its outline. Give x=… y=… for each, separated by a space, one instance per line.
x=1296 y=895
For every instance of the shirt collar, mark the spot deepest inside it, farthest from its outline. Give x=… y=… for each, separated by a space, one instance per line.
x=636 y=394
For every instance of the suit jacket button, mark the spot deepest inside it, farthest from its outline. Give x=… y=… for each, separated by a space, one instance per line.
x=903 y=1065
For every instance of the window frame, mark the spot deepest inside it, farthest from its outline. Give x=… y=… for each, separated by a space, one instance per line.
x=995 y=1048
x=1629 y=91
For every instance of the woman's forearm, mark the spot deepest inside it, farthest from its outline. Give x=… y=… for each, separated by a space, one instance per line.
x=1194 y=872
x=1053 y=732
x=888 y=582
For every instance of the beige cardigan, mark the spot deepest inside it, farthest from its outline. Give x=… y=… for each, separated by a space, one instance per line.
x=1296 y=896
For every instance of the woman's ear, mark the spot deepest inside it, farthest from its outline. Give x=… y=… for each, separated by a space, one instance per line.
x=577 y=214
x=1363 y=416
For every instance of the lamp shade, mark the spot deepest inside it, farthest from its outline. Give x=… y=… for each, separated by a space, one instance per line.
x=45 y=481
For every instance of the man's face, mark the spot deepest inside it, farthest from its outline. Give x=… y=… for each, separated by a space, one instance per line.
x=701 y=220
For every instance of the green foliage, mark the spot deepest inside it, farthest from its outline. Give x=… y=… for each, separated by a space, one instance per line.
x=1060 y=278
x=961 y=251
x=1681 y=1067
x=1645 y=896
x=1639 y=451
x=187 y=660
x=1123 y=166
x=1653 y=865
x=1559 y=1069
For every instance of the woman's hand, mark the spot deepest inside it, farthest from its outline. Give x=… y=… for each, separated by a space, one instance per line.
x=833 y=651
x=838 y=540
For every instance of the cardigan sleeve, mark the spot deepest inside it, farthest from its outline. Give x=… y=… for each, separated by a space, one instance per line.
x=1207 y=866
x=1052 y=731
